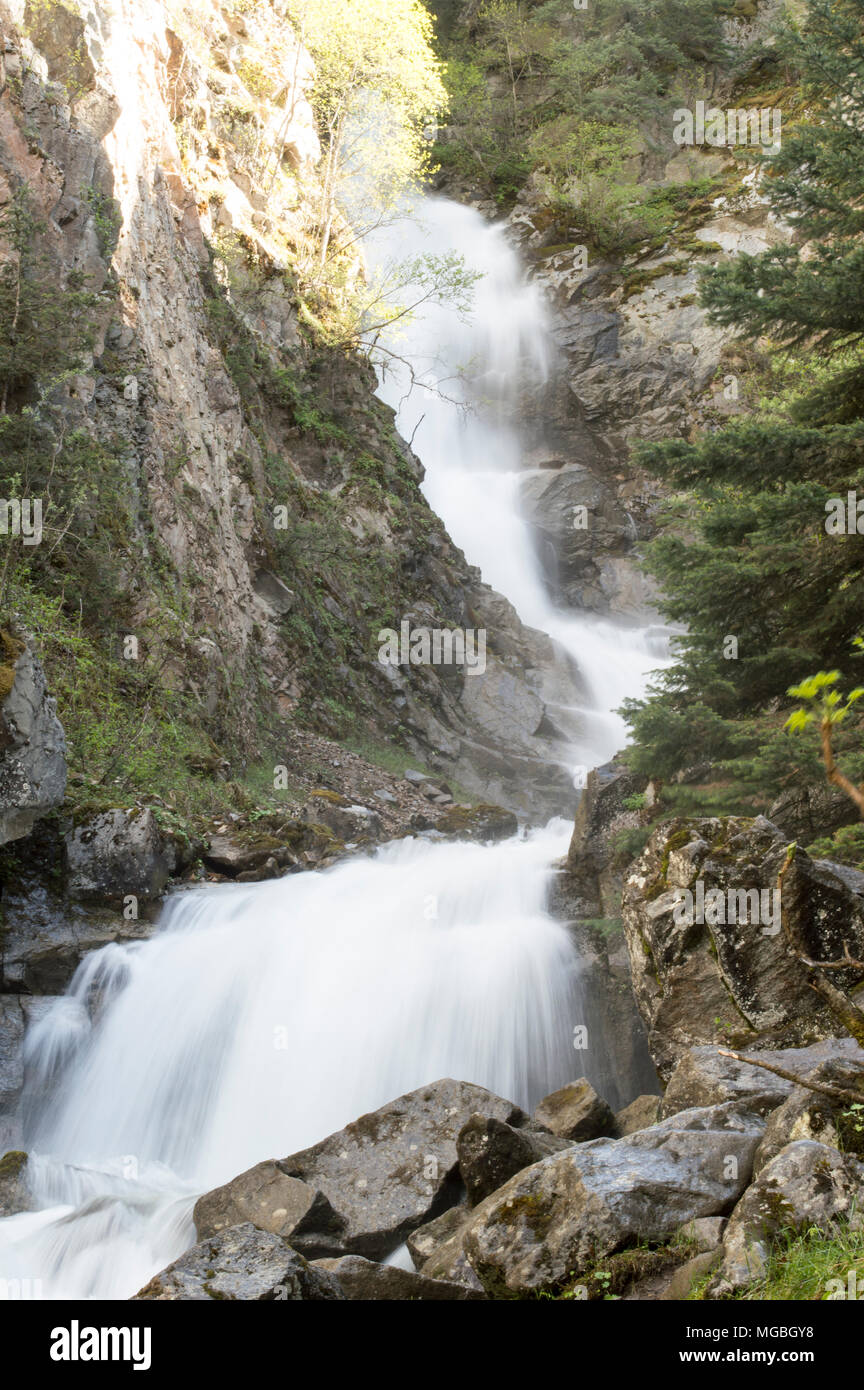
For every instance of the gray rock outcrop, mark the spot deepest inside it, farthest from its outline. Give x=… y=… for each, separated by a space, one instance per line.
x=242 y=1263
x=806 y=1185
x=728 y=975
x=365 y=1188
x=557 y=1217
x=32 y=742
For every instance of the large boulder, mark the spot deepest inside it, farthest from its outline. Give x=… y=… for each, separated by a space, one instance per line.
x=347 y=820
x=119 y=853
x=714 y=976
x=483 y=823
x=805 y=1185
x=706 y=1076
x=233 y=858
x=242 y=1263
x=366 y=1281
x=396 y=1168
x=576 y=1113
x=32 y=743
x=14 y=1190
x=555 y=1219
x=491 y=1152
x=273 y=1202
x=639 y=1114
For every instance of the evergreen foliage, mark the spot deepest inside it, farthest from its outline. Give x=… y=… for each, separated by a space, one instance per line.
x=761 y=542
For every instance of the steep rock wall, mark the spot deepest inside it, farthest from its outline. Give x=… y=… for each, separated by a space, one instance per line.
x=179 y=184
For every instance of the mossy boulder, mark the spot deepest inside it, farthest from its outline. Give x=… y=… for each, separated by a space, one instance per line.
x=14 y=1192
x=553 y=1221
x=271 y=847
x=806 y=1185
x=826 y=1119
x=483 y=823
x=348 y=820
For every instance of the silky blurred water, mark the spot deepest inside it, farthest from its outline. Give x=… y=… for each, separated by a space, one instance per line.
x=263 y=1017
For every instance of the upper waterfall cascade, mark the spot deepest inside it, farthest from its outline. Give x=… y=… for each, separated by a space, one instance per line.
x=450 y=379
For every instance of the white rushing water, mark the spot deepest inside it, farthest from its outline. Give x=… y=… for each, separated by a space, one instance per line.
x=450 y=379
x=261 y=1018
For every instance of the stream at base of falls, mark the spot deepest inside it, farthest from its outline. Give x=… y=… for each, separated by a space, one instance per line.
x=262 y=1017
x=265 y=1016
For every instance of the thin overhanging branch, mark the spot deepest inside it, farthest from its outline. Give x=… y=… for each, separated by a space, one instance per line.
x=832 y=771
x=841 y=1093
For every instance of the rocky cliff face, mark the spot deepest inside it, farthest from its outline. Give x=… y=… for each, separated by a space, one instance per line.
x=32 y=745
x=709 y=912
x=636 y=357
x=169 y=154
x=637 y=361
x=176 y=179
x=172 y=153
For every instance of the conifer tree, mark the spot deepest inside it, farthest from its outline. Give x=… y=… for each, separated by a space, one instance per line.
x=816 y=184
x=763 y=556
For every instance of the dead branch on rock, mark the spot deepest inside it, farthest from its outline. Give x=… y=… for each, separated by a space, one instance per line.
x=835 y=1092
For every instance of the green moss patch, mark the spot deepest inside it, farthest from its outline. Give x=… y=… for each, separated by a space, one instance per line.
x=12 y=1164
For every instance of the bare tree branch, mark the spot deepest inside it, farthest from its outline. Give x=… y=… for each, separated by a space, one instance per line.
x=835 y=1092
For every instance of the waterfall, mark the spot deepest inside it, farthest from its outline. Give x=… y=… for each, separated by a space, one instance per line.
x=260 y=1018
x=452 y=381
